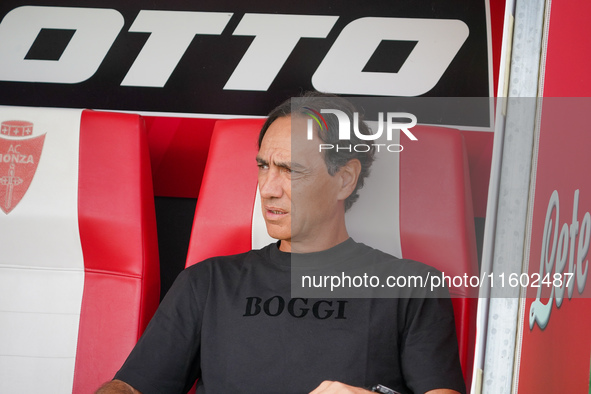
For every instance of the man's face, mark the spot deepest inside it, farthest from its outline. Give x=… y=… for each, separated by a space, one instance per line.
x=300 y=199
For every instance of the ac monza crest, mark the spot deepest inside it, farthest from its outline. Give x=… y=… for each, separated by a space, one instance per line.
x=19 y=156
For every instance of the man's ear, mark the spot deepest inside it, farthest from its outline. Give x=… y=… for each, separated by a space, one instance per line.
x=349 y=174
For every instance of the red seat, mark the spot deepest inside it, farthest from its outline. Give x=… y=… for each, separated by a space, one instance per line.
x=432 y=211
x=79 y=272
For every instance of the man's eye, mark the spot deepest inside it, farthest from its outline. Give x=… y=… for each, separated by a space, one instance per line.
x=262 y=166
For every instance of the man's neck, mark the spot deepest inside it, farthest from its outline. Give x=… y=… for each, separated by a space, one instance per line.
x=314 y=245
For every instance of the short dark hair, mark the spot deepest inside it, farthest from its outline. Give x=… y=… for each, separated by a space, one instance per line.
x=333 y=158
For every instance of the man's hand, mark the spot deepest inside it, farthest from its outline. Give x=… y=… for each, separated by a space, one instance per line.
x=117 y=387
x=328 y=387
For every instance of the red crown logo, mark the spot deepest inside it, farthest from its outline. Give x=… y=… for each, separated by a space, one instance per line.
x=19 y=157
x=16 y=128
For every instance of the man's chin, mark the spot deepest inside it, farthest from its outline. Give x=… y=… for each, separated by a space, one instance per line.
x=278 y=233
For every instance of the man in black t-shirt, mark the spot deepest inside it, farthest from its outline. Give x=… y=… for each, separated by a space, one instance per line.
x=231 y=322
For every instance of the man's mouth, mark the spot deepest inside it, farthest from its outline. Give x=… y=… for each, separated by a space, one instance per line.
x=275 y=211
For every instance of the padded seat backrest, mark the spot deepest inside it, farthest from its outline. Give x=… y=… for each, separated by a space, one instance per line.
x=428 y=207
x=79 y=272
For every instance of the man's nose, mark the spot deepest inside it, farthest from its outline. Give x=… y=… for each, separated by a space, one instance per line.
x=271 y=184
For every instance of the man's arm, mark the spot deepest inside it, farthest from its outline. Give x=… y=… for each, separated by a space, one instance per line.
x=328 y=387
x=116 y=387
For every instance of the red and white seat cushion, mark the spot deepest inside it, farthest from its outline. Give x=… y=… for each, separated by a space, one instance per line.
x=79 y=275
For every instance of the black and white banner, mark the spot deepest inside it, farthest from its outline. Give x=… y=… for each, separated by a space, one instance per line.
x=237 y=58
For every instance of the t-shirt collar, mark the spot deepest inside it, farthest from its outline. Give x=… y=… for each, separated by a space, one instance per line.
x=324 y=258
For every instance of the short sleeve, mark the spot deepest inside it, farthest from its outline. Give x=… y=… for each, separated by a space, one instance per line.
x=166 y=358
x=429 y=351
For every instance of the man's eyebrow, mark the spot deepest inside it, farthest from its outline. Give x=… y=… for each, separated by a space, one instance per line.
x=260 y=160
x=289 y=165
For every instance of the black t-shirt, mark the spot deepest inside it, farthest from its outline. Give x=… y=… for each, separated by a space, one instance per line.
x=231 y=323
